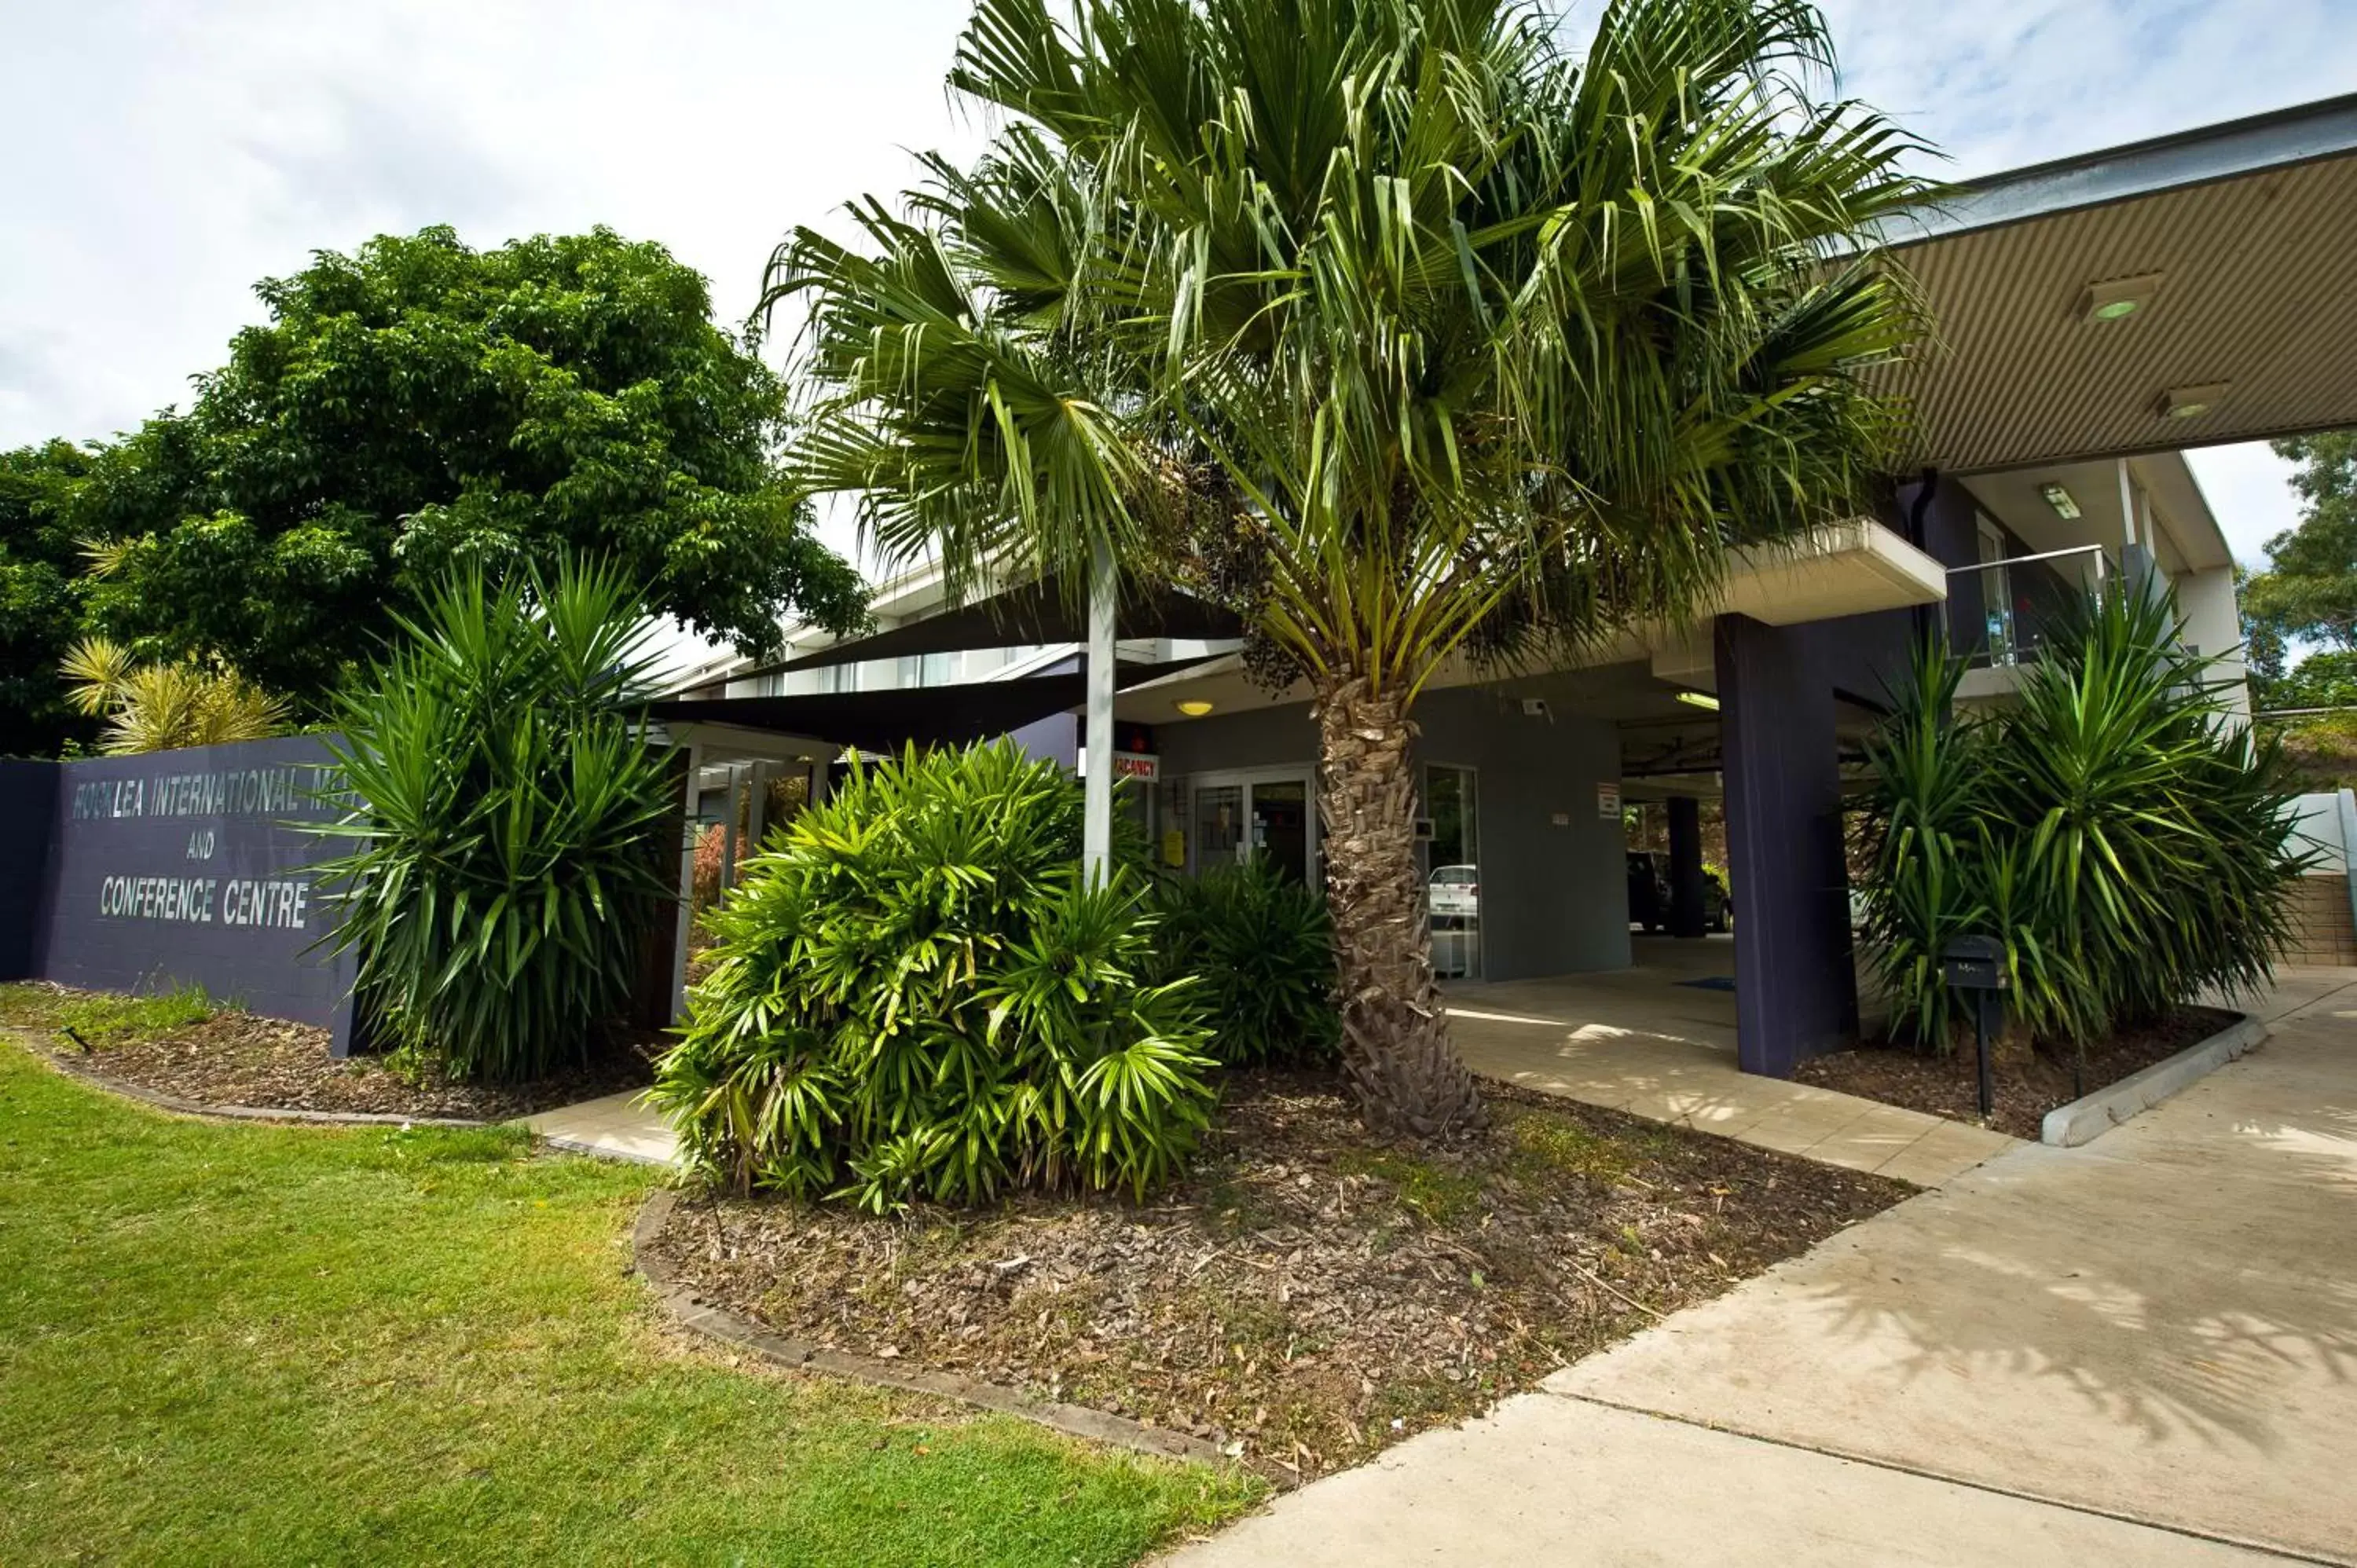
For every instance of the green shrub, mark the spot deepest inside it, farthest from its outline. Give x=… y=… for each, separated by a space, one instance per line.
x=913 y=995
x=2126 y=842
x=1264 y=948
x=512 y=826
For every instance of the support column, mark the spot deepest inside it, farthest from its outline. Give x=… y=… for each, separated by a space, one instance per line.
x=1096 y=805
x=1796 y=993
x=1688 y=917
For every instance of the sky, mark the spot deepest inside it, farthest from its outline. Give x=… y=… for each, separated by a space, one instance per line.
x=166 y=156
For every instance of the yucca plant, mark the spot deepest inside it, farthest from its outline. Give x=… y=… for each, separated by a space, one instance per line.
x=914 y=994
x=1264 y=948
x=1925 y=815
x=2157 y=829
x=511 y=829
x=2114 y=828
x=158 y=705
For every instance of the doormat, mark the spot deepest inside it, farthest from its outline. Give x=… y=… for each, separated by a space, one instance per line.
x=1712 y=983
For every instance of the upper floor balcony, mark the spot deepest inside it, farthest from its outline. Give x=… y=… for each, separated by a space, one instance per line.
x=2005 y=613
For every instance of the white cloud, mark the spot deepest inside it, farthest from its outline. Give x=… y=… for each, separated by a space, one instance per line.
x=2249 y=487
x=1996 y=85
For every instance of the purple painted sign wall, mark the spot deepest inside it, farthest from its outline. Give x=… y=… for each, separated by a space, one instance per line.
x=193 y=868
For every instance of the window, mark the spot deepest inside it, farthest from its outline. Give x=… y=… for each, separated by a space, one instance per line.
x=1997 y=594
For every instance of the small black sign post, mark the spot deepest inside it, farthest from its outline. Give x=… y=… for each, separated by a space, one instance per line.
x=1975 y=966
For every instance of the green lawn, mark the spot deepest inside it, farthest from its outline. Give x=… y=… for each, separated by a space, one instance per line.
x=266 y=1345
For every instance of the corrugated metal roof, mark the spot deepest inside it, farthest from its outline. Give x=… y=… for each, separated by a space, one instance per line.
x=2258 y=290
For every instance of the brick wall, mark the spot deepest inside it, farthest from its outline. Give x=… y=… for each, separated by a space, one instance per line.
x=2322 y=931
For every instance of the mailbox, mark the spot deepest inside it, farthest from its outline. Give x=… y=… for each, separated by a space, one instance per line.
x=1975 y=964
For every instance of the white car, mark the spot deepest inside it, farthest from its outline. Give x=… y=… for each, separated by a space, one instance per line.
x=1454 y=893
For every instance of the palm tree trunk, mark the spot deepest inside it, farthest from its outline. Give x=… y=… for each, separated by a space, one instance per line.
x=1396 y=1047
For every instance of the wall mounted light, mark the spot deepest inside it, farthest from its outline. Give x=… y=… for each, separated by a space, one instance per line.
x=1701 y=700
x=2117 y=299
x=2191 y=403
x=2065 y=505
x=1193 y=707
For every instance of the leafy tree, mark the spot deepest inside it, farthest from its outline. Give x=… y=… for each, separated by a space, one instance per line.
x=2308 y=595
x=420 y=405
x=40 y=605
x=1389 y=323
x=2325 y=679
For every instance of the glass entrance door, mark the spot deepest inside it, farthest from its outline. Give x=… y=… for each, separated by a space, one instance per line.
x=1280 y=825
x=1235 y=817
x=1219 y=836
x=1452 y=869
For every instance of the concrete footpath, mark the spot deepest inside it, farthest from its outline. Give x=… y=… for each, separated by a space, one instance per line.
x=2142 y=1351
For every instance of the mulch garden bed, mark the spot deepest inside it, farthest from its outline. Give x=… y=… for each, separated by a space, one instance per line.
x=2026 y=1090
x=238 y=1058
x=1305 y=1297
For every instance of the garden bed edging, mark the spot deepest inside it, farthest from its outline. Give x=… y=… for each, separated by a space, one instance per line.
x=2086 y=1119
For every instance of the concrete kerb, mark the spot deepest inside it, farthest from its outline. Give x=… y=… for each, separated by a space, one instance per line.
x=728 y=1329
x=2085 y=1119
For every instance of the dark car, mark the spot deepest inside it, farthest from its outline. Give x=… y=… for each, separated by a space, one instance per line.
x=1649 y=893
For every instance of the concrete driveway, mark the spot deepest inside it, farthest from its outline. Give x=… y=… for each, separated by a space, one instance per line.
x=2140 y=1351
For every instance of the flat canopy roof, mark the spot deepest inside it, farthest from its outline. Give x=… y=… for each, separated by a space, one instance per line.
x=925 y=715
x=1035 y=614
x=2236 y=238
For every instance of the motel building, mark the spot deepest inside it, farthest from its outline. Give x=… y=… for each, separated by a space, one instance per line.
x=2096 y=319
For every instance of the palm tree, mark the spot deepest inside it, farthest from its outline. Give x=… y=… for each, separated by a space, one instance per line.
x=1390 y=322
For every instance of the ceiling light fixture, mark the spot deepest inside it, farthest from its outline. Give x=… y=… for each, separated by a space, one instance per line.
x=1193 y=707
x=1703 y=700
x=2065 y=505
x=2118 y=299
x=2191 y=403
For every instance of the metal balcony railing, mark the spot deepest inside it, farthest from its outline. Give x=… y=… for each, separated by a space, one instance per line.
x=2003 y=613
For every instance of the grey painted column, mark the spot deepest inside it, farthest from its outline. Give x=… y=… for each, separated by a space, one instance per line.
x=1686 y=919
x=1796 y=994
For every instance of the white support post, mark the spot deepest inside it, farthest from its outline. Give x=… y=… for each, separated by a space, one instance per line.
x=686 y=887
x=1096 y=830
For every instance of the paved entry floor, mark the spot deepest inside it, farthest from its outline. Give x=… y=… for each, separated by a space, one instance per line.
x=2143 y=1351
x=618 y=1126
x=1658 y=1040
